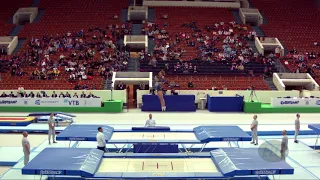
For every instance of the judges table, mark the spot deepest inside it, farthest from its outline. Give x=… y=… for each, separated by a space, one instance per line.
x=295 y=102
x=225 y=103
x=173 y=103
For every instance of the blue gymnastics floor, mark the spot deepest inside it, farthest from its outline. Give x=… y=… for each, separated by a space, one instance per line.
x=304 y=160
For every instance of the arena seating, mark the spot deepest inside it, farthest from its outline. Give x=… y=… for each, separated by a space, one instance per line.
x=7 y=9
x=204 y=82
x=294 y=23
x=60 y=18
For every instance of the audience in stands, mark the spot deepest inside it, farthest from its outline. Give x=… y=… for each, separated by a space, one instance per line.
x=79 y=53
x=43 y=94
x=224 y=43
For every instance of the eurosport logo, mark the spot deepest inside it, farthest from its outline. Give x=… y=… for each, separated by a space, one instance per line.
x=8 y=102
x=39 y=102
x=289 y=102
x=318 y=102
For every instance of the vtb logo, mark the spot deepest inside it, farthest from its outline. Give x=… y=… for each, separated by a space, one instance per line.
x=74 y=103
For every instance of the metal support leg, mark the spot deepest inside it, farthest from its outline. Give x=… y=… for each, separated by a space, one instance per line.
x=129 y=148
x=69 y=143
x=316 y=142
x=184 y=147
x=191 y=147
x=122 y=148
x=203 y=146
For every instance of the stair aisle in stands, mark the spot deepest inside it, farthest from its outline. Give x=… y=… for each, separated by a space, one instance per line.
x=151 y=15
x=259 y=31
x=40 y=13
x=136 y=29
x=124 y=15
x=270 y=83
x=21 y=42
x=235 y=13
x=15 y=30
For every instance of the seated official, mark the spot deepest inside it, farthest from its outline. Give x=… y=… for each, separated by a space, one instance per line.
x=150 y=122
x=54 y=95
x=68 y=95
x=38 y=95
x=4 y=95
x=61 y=95
x=12 y=95
x=75 y=95
x=44 y=94
x=83 y=95
x=32 y=95
x=190 y=84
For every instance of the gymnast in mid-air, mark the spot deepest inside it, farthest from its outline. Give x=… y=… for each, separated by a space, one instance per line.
x=158 y=87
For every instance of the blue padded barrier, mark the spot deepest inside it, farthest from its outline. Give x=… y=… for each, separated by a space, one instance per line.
x=225 y=103
x=244 y=162
x=84 y=132
x=65 y=161
x=220 y=133
x=173 y=103
x=151 y=129
x=315 y=128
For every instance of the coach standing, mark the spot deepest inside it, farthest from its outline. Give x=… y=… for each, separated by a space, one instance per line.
x=284 y=145
x=254 y=130
x=101 y=140
x=26 y=147
x=51 y=131
x=296 y=128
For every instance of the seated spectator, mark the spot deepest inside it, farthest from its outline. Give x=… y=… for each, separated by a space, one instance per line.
x=32 y=95
x=115 y=16
x=83 y=95
x=54 y=95
x=241 y=67
x=173 y=92
x=121 y=86
x=142 y=86
x=75 y=95
x=195 y=69
x=67 y=95
x=4 y=95
x=165 y=16
x=61 y=95
x=190 y=84
x=21 y=89
x=224 y=87
x=38 y=95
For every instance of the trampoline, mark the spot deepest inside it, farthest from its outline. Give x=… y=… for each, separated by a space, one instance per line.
x=58 y=116
x=16 y=121
x=316 y=129
x=153 y=140
x=92 y=163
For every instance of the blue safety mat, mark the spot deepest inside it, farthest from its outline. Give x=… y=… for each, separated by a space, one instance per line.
x=65 y=161
x=315 y=127
x=242 y=162
x=84 y=133
x=220 y=133
x=85 y=162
